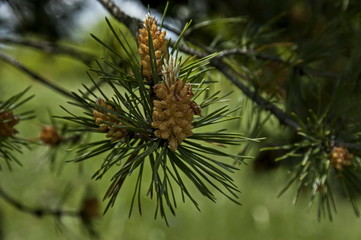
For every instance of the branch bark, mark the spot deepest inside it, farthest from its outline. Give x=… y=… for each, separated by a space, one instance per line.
x=48 y=47
x=34 y=76
x=265 y=57
x=36 y=211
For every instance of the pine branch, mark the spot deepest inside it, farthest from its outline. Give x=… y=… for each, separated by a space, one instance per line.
x=265 y=57
x=33 y=75
x=115 y=11
x=283 y=117
x=348 y=145
x=36 y=211
x=319 y=158
x=219 y=64
x=255 y=97
x=138 y=127
x=49 y=47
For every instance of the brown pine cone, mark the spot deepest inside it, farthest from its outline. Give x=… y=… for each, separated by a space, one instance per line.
x=7 y=123
x=50 y=136
x=101 y=116
x=340 y=157
x=173 y=113
x=159 y=45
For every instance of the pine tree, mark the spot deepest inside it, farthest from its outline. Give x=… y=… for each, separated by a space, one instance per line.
x=150 y=110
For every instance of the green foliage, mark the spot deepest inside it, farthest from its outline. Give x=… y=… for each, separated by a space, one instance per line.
x=13 y=144
x=300 y=71
x=315 y=166
x=306 y=62
x=131 y=99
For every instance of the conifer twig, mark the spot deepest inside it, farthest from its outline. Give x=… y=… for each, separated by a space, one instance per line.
x=36 y=211
x=33 y=75
x=49 y=47
x=283 y=117
x=348 y=145
x=265 y=57
x=115 y=11
x=255 y=97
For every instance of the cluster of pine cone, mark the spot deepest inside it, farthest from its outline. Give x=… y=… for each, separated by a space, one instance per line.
x=340 y=157
x=173 y=108
x=103 y=117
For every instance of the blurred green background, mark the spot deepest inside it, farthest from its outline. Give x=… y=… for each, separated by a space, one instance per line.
x=261 y=216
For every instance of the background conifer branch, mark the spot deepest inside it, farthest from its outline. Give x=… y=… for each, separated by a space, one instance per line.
x=310 y=148
x=263 y=103
x=266 y=57
x=50 y=47
x=117 y=13
x=36 y=211
x=87 y=212
x=217 y=62
x=6 y=58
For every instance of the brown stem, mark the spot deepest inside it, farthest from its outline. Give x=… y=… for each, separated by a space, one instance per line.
x=283 y=118
x=49 y=47
x=33 y=75
x=115 y=11
x=271 y=58
x=39 y=212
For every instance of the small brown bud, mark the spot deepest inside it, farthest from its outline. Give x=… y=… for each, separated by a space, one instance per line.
x=90 y=209
x=196 y=108
x=50 y=136
x=340 y=157
x=7 y=123
x=102 y=117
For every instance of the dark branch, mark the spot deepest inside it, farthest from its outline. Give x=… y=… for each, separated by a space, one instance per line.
x=118 y=14
x=33 y=75
x=114 y=10
x=283 y=118
x=48 y=47
x=348 y=145
x=259 y=100
x=271 y=58
x=39 y=212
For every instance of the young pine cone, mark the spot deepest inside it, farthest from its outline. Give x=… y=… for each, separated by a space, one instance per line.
x=173 y=113
x=159 y=45
x=7 y=123
x=101 y=116
x=340 y=157
x=50 y=136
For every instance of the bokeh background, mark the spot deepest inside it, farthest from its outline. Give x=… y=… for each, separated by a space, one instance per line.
x=261 y=216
